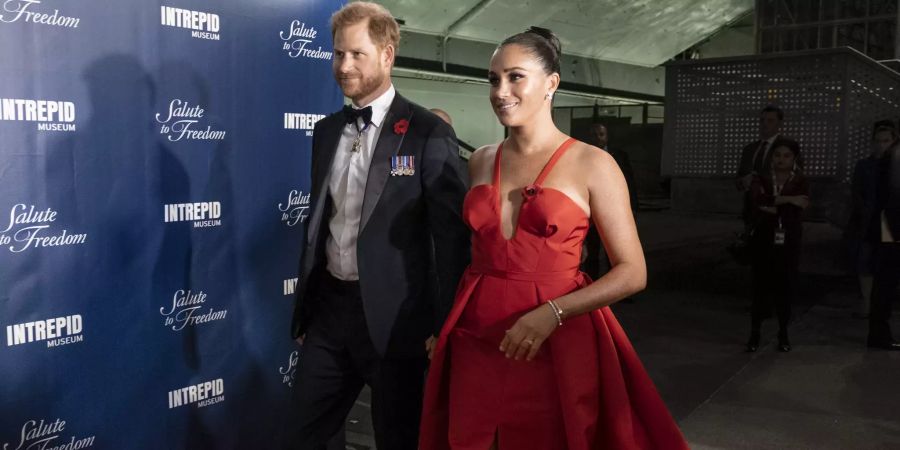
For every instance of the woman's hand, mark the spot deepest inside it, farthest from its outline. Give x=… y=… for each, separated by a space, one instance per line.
x=743 y=183
x=529 y=333
x=430 y=345
x=800 y=201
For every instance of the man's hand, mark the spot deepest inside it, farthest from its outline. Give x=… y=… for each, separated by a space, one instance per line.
x=430 y=344
x=743 y=183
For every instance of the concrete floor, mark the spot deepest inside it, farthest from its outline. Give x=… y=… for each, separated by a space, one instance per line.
x=689 y=328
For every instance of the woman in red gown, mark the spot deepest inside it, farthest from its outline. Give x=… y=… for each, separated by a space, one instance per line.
x=531 y=357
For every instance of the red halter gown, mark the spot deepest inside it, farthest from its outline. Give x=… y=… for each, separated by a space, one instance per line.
x=586 y=389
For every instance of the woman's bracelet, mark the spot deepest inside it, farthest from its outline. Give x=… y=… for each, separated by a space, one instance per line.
x=557 y=311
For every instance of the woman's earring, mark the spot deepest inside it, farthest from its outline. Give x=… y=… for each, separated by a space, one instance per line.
x=549 y=96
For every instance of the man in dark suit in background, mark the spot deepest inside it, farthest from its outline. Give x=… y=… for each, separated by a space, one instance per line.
x=600 y=133
x=443 y=115
x=387 y=189
x=756 y=157
x=595 y=260
x=884 y=233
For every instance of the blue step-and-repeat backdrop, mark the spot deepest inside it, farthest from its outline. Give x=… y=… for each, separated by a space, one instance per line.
x=154 y=164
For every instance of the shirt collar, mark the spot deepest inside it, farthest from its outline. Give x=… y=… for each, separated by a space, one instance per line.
x=770 y=140
x=380 y=106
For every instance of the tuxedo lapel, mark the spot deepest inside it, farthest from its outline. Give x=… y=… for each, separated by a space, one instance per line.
x=388 y=145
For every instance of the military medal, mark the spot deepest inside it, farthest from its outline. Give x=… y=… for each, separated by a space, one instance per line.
x=406 y=168
x=395 y=166
x=403 y=165
x=357 y=141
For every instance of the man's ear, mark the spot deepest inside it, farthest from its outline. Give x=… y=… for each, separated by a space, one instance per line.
x=389 y=53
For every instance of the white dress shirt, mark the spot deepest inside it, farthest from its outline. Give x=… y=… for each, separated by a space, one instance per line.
x=347 y=185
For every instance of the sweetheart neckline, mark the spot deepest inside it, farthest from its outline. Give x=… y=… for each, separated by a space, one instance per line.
x=496 y=191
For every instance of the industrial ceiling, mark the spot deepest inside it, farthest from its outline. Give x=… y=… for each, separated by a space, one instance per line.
x=641 y=32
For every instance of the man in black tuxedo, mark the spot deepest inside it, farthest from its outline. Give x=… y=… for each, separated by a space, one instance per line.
x=884 y=233
x=385 y=246
x=756 y=157
x=592 y=263
x=600 y=133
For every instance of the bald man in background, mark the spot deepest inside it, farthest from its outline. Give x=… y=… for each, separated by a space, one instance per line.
x=443 y=115
x=465 y=150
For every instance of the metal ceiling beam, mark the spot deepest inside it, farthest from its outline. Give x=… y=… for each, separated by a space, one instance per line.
x=805 y=25
x=477 y=9
x=481 y=74
x=850 y=21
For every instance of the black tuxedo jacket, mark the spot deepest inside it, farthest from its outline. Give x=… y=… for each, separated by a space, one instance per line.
x=887 y=197
x=412 y=246
x=747 y=157
x=746 y=165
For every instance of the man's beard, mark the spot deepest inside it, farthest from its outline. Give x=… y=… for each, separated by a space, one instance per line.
x=366 y=86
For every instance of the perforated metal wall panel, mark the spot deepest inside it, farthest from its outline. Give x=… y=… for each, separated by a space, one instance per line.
x=872 y=95
x=831 y=99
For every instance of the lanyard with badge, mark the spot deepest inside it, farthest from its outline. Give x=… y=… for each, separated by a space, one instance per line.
x=780 y=232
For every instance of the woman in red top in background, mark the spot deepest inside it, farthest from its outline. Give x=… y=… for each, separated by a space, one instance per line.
x=530 y=356
x=778 y=202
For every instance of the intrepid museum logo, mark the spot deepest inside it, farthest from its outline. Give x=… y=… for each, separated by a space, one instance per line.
x=298 y=41
x=296 y=209
x=289 y=371
x=203 y=394
x=180 y=123
x=28 y=228
x=202 y=214
x=21 y=11
x=302 y=121
x=203 y=25
x=51 y=115
x=187 y=310
x=57 y=332
x=41 y=435
x=290 y=286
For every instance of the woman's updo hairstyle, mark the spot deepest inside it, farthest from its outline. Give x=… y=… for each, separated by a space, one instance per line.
x=541 y=43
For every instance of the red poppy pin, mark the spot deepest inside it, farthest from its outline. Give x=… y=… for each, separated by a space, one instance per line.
x=401 y=126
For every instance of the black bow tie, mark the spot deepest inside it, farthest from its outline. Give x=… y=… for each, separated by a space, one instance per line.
x=351 y=114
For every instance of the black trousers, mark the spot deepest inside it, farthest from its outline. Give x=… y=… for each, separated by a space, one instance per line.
x=774 y=277
x=336 y=360
x=747 y=209
x=884 y=292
